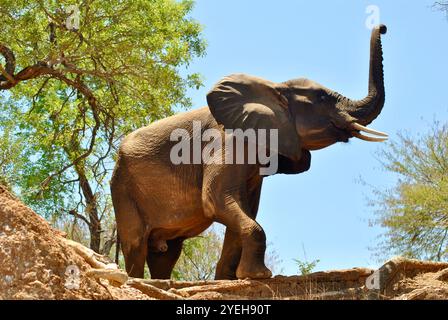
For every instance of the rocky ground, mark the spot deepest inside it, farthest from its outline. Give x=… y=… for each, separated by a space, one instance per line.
x=38 y=262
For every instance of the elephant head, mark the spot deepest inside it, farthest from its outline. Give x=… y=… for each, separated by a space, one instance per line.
x=307 y=115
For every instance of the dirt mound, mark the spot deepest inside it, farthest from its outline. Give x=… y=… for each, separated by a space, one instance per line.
x=37 y=262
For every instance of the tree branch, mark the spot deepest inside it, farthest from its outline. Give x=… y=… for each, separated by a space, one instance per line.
x=79 y=216
x=8 y=71
x=42 y=68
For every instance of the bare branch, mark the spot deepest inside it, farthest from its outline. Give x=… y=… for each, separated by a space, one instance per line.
x=79 y=216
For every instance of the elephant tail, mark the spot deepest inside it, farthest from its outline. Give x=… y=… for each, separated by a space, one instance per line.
x=117 y=249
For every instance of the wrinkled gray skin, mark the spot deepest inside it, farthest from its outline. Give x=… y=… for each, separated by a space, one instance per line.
x=158 y=204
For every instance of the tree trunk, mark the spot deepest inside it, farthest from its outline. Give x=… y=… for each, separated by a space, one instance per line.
x=109 y=241
x=91 y=209
x=91 y=202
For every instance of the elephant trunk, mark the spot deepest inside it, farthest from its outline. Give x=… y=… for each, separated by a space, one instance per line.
x=367 y=109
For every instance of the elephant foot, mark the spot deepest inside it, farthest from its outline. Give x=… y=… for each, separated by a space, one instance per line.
x=253 y=272
x=225 y=273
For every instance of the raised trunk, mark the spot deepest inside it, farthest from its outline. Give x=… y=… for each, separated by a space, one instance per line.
x=367 y=109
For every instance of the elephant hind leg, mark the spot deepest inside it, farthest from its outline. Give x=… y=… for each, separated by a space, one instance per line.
x=161 y=264
x=230 y=257
x=131 y=231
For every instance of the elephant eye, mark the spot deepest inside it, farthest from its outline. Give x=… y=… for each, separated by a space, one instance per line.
x=323 y=96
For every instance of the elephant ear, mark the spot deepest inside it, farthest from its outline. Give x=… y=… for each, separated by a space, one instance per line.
x=244 y=102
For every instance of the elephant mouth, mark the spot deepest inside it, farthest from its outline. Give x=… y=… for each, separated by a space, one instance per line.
x=355 y=129
x=343 y=134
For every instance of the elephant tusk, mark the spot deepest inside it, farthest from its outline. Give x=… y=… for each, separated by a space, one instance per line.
x=359 y=127
x=366 y=138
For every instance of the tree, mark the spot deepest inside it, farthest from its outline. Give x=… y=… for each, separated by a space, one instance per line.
x=272 y=259
x=199 y=257
x=415 y=211
x=71 y=91
x=442 y=6
x=305 y=266
x=11 y=157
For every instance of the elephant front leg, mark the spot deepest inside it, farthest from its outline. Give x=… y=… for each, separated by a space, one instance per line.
x=252 y=256
x=231 y=196
x=253 y=242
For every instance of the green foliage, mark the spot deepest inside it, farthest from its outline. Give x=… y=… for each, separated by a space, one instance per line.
x=199 y=257
x=306 y=267
x=121 y=70
x=11 y=157
x=415 y=211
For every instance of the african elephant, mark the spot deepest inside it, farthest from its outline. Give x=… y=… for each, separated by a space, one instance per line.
x=159 y=204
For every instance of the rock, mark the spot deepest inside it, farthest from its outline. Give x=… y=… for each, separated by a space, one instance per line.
x=442 y=275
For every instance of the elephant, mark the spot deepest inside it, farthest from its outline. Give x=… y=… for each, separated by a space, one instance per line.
x=158 y=204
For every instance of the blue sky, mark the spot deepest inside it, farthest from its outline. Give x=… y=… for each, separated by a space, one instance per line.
x=325 y=210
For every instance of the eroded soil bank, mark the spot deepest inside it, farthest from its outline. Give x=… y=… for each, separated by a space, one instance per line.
x=37 y=262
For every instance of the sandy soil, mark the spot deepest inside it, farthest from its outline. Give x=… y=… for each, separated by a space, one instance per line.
x=37 y=262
